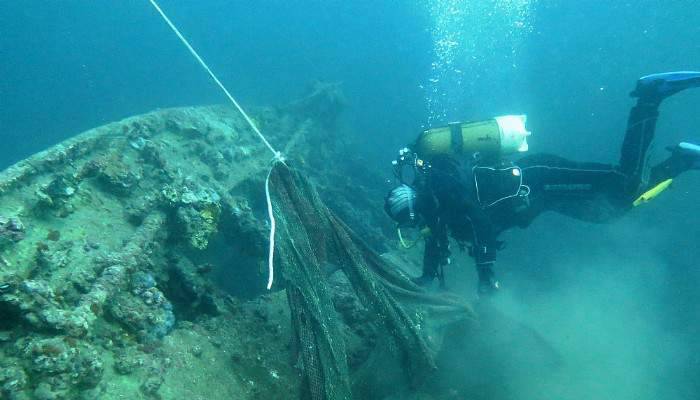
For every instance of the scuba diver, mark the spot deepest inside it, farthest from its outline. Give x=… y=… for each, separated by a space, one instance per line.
x=476 y=202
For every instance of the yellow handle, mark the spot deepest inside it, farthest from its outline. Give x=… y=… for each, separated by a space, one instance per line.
x=652 y=193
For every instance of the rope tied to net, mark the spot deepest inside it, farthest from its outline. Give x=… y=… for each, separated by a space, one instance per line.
x=273 y=223
x=278 y=157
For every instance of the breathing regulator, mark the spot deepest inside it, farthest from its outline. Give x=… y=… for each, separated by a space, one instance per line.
x=408 y=165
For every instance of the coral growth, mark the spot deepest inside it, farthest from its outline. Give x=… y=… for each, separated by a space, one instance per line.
x=115 y=176
x=143 y=310
x=56 y=367
x=56 y=195
x=188 y=287
x=194 y=211
x=11 y=231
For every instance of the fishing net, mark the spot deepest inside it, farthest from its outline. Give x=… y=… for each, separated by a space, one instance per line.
x=408 y=318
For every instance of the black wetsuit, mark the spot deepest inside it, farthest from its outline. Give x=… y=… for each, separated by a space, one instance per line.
x=475 y=203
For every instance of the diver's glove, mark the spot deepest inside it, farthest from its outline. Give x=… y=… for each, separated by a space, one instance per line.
x=488 y=284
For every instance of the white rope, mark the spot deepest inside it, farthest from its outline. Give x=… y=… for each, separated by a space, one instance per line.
x=184 y=41
x=271 y=253
x=277 y=154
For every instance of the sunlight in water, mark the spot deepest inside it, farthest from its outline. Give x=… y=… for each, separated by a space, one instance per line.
x=467 y=36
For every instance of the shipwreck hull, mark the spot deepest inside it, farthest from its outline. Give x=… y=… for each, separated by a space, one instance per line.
x=133 y=263
x=106 y=262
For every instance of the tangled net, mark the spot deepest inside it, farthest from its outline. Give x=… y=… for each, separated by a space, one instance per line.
x=408 y=318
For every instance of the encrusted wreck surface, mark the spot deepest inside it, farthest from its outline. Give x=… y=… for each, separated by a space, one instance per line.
x=112 y=244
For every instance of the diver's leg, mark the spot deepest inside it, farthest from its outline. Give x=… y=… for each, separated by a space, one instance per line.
x=586 y=191
x=641 y=125
x=650 y=91
x=431 y=262
x=434 y=256
x=597 y=192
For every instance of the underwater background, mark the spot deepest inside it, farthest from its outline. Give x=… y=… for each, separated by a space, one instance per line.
x=618 y=301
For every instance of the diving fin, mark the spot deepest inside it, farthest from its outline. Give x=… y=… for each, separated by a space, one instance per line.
x=659 y=86
x=686 y=154
x=691 y=150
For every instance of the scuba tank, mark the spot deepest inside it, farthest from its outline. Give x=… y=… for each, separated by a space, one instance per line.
x=492 y=137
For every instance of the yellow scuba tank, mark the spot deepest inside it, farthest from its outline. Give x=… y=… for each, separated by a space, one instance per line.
x=497 y=136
